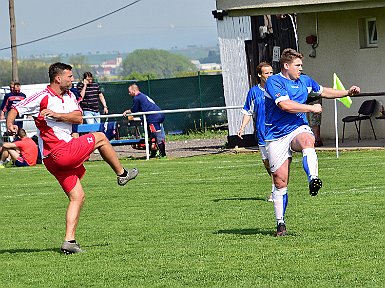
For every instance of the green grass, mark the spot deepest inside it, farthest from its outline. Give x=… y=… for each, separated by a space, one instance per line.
x=199 y=222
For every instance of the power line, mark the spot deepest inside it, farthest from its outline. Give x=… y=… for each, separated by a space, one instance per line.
x=73 y=28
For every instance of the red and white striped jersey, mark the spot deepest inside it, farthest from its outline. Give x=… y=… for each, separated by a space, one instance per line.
x=52 y=133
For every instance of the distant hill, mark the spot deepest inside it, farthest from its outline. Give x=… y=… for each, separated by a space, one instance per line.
x=192 y=52
x=197 y=52
x=203 y=54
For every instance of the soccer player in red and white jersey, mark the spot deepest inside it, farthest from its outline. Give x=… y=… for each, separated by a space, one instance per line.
x=54 y=110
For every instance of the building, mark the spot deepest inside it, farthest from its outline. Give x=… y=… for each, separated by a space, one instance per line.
x=345 y=37
x=110 y=67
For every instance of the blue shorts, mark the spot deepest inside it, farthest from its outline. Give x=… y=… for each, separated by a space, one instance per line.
x=20 y=162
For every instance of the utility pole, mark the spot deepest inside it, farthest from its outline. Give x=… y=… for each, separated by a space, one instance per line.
x=12 y=22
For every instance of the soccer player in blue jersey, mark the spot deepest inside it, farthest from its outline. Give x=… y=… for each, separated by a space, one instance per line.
x=287 y=128
x=255 y=104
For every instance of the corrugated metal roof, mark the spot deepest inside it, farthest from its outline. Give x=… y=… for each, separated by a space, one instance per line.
x=260 y=7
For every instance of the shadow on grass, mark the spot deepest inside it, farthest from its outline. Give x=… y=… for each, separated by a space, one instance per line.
x=241 y=199
x=251 y=231
x=56 y=249
x=15 y=251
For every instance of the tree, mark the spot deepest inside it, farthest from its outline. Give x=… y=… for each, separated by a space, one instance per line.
x=160 y=63
x=80 y=65
x=30 y=72
x=33 y=72
x=212 y=57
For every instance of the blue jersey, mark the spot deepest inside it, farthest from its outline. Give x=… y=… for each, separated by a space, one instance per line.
x=255 y=103
x=143 y=103
x=280 y=123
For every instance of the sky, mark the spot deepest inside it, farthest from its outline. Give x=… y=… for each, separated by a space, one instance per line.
x=160 y=24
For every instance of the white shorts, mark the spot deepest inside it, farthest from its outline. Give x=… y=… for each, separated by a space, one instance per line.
x=263 y=152
x=280 y=150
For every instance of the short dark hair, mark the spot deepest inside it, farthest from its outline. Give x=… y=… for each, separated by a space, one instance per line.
x=56 y=69
x=259 y=69
x=289 y=55
x=87 y=74
x=21 y=133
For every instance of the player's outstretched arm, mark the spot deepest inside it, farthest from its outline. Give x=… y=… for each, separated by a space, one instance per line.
x=291 y=106
x=334 y=93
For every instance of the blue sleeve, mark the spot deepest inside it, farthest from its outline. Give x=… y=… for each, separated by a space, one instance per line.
x=313 y=86
x=249 y=103
x=76 y=92
x=276 y=89
x=135 y=105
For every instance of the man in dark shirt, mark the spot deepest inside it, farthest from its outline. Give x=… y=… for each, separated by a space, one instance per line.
x=90 y=94
x=11 y=99
x=143 y=103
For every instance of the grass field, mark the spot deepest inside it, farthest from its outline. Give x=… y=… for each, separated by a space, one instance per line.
x=198 y=222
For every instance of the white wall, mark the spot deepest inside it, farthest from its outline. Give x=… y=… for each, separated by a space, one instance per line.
x=232 y=33
x=339 y=51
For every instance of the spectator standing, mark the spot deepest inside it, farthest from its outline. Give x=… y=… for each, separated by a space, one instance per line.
x=10 y=99
x=22 y=151
x=143 y=103
x=54 y=110
x=90 y=95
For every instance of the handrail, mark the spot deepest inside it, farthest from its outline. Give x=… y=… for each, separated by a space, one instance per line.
x=145 y=118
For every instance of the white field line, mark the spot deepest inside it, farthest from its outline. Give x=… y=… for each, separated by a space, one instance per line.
x=362 y=190
x=26 y=195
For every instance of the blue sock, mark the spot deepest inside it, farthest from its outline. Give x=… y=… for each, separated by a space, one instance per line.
x=310 y=163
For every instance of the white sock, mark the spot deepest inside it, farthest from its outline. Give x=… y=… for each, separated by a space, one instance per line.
x=280 y=203
x=310 y=163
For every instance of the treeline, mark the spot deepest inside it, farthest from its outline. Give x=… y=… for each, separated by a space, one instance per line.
x=30 y=72
x=156 y=64
x=35 y=71
x=139 y=65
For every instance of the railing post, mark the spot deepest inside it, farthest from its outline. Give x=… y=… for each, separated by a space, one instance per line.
x=200 y=98
x=146 y=137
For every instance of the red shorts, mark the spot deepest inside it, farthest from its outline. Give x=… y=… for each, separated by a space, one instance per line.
x=66 y=162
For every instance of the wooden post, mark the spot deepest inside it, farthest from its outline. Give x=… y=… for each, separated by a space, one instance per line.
x=12 y=22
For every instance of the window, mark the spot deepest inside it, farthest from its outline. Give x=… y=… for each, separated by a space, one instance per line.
x=371 y=31
x=368 y=33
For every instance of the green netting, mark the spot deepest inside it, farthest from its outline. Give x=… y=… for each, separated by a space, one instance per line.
x=176 y=93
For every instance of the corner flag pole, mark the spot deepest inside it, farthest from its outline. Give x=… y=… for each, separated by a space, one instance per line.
x=336 y=125
x=345 y=100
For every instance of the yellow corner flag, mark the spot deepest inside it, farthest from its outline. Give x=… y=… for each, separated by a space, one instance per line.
x=347 y=101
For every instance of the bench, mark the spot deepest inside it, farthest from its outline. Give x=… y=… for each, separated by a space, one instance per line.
x=110 y=129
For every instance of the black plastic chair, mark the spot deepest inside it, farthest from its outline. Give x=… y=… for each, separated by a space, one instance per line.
x=364 y=113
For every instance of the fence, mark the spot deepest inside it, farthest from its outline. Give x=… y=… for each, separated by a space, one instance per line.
x=143 y=114
x=177 y=93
